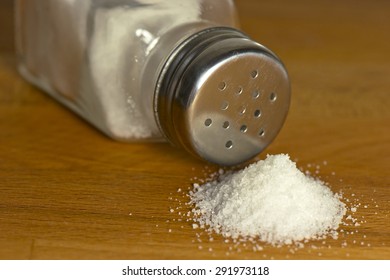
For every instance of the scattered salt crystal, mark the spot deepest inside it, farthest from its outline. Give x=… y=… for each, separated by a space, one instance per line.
x=353 y=209
x=195 y=226
x=271 y=200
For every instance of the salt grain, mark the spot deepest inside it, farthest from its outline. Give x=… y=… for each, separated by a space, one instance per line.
x=271 y=200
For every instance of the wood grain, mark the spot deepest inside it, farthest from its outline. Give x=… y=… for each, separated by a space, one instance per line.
x=68 y=192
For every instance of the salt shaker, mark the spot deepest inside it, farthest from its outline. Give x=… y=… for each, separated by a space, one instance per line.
x=141 y=70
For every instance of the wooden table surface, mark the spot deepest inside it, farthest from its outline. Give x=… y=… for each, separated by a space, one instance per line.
x=68 y=192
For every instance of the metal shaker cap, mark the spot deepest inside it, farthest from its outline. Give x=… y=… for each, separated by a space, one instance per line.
x=222 y=96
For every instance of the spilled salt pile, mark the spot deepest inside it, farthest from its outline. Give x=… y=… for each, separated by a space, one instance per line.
x=271 y=200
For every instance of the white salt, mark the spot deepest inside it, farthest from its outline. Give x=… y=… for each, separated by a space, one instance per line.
x=271 y=200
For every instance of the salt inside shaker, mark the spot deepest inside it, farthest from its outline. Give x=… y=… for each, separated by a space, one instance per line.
x=177 y=70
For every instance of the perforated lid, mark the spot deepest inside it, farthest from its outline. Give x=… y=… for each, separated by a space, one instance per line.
x=223 y=97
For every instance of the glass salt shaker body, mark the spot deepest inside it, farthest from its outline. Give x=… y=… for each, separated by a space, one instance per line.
x=148 y=69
